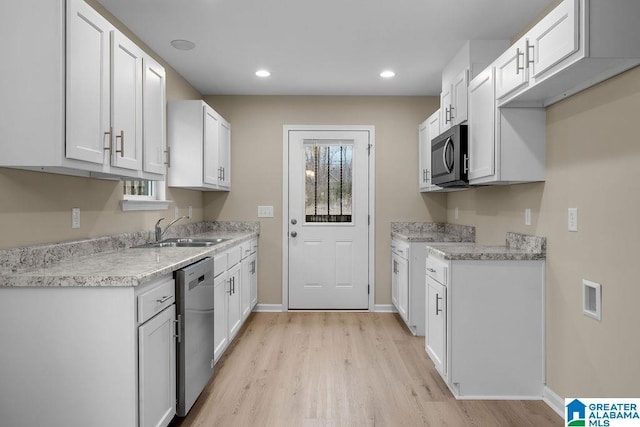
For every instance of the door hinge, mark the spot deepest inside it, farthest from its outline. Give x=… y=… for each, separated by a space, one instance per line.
x=368 y=289
x=369 y=148
x=368 y=219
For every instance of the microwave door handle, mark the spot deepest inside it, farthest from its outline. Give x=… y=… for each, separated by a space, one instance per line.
x=444 y=155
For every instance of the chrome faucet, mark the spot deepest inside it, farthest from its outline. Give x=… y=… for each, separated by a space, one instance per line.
x=160 y=232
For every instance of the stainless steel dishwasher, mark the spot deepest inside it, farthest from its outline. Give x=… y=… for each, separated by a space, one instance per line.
x=194 y=304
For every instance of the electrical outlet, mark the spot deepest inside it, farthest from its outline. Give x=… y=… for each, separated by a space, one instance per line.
x=265 y=211
x=176 y=212
x=527 y=216
x=190 y=211
x=75 y=218
x=573 y=219
x=456 y=213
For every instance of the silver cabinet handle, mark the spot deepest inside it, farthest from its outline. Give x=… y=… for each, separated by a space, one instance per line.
x=163 y=299
x=121 y=150
x=294 y=234
x=529 y=59
x=438 y=310
x=465 y=163
x=168 y=156
x=110 y=146
x=431 y=270
x=518 y=67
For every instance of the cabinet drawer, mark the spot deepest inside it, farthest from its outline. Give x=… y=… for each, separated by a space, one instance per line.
x=400 y=248
x=156 y=299
x=220 y=263
x=437 y=268
x=235 y=255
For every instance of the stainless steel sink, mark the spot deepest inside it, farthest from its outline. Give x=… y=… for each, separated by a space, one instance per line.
x=183 y=243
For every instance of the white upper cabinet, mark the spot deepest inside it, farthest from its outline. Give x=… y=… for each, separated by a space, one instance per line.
x=427 y=130
x=88 y=84
x=88 y=79
x=472 y=58
x=199 y=142
x=126 y=102
x=506 y=145
x=154 y=122
x=578 y=44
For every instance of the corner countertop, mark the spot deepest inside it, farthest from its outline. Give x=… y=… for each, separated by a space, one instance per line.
x=518 y=247
x=432 y=232
x=121 y=268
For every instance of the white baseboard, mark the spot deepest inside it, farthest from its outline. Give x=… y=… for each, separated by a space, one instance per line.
x=268 y=308
x=554 y=401
x=384 y=308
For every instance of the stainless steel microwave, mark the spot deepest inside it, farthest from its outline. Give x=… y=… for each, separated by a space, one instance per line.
x=449 y=158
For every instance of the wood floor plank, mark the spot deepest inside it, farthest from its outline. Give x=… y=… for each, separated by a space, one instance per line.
x=340 y=369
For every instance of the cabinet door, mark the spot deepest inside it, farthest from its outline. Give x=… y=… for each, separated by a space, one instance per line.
x=482 y=125
x=157 y=370
x=154 y=116
x=394 y=281
x=435 y=340
x=210 y=149
x=424 y=158
x=511 y=73
x=254 y=279
x=220 y=328
x=459 y=108
x=245 y=285
x=126 y=102
x=224 y=153
x=403 y=288
x=235 y=301
x=446 y=99
x=87 y=83
x=554 y=38
x=434 y=130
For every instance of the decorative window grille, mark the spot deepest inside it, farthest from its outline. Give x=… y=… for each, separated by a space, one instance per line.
x=328 y=181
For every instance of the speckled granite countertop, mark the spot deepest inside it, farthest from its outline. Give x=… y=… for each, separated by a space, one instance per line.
x=518 y=247
x=432 y=232
x=121 y=267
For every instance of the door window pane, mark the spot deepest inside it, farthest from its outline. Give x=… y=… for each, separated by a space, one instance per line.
x=328 y=181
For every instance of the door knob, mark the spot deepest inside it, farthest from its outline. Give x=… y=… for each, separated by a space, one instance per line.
x=294 y=234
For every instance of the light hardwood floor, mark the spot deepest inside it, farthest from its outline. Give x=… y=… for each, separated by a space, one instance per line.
x=340 y=369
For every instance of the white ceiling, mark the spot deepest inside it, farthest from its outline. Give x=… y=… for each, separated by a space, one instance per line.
x=322 y=47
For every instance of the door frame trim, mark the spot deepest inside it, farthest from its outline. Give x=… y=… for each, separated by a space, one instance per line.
x=286 y=129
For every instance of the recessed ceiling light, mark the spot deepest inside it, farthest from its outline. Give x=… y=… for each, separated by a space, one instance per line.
x=263 y=73
x=387 y=74
x=183 y=44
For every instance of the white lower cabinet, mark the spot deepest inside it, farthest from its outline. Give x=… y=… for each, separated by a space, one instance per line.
x=235 y=278
x=157 y=370
x=88 y=356
x=485 y=327
x=249 y=279
x=407 y=283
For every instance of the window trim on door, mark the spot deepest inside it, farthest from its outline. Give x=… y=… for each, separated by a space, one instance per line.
x=286 y=129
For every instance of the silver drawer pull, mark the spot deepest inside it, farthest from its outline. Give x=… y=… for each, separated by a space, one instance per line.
x=163 y=299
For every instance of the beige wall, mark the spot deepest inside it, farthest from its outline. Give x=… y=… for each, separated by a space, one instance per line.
x=257 y=153
x=36 y=206
x=593 y=159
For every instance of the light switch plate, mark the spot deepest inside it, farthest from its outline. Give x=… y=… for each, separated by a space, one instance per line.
x=265 y=211
x=572 y=219
x=527 y=216
x=75 y=218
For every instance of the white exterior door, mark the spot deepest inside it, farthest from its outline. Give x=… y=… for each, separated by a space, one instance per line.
x=328 y=214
